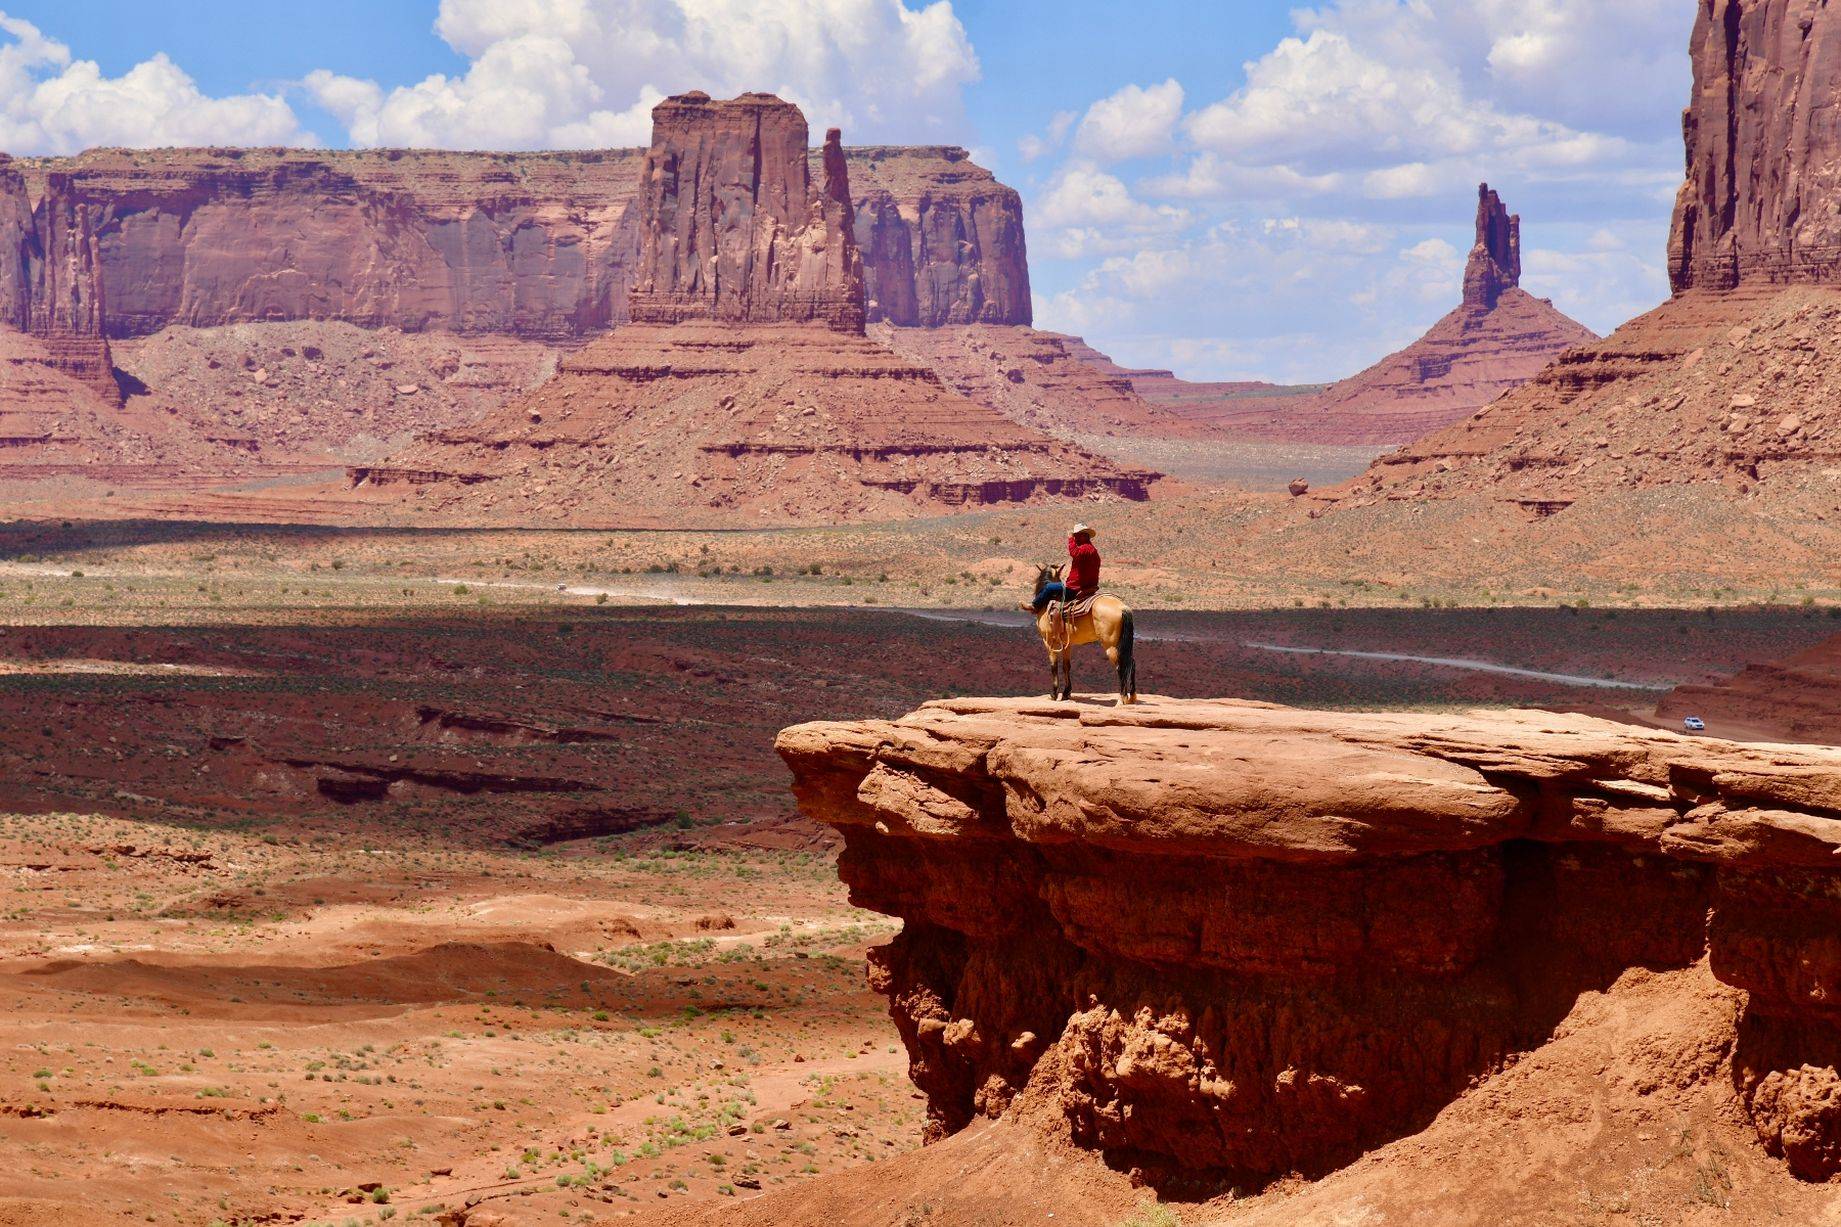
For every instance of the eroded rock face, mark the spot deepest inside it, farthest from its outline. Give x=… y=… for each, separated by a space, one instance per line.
x=1759 y=203
x=731 y=226
x=50 y=279
x=1219 y=938
x=745 y=388
x=534 y=245
x=1731 y=380
x=1495 y=258
x=942 y=240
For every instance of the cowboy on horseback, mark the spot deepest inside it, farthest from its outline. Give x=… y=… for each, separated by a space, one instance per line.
x=1082 y=575
x=1070 y=611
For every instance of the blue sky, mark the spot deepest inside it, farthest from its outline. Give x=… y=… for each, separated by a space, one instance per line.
x=1247 y=189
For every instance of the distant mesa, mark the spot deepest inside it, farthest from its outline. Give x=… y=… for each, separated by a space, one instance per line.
x=539 y=246
x=745 y=386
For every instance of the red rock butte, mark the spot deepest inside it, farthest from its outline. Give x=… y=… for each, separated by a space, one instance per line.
x=50 y=279
x=745 y=386
x=731 y=228
x=534 y=245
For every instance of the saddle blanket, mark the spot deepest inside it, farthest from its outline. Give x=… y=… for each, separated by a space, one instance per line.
x=1074 y=611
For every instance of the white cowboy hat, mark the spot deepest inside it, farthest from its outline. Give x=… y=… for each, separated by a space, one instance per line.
x=1080 y=529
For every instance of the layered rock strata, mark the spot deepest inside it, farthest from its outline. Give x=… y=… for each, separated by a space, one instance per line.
x=535 y=245
x=1230 y=939
x=1763 y=176
x=1043 y=380
x=703 y=423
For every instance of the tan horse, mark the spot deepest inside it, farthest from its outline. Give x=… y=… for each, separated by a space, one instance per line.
x=1109 y=624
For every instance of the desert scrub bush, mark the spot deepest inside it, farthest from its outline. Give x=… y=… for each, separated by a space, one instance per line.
x=1152 y=1215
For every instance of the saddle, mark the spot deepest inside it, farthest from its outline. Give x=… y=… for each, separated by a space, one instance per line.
x=1074 y=611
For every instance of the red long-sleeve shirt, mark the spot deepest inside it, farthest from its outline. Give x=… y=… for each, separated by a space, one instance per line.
x=1083 y=567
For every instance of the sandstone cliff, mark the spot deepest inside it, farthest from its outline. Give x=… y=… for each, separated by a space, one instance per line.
x=50 y=279
x=534 y=245
x=730 y=225
x=942 y=240
x=745 y=389
x=1231 y=938
x=1763 y=176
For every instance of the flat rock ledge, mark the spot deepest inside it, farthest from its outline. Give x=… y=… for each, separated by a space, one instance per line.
x=1219 y=939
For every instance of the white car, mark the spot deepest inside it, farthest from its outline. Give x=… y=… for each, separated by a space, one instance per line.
x=1694 y=724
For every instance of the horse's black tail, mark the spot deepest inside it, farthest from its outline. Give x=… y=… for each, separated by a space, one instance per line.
x=1128 y=661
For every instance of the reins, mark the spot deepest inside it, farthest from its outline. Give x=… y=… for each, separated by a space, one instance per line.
x=1061 y=620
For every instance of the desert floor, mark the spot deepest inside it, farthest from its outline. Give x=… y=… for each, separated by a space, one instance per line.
x=347 y=877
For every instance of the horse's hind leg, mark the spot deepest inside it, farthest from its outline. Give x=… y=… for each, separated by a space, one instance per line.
x=1121 y=666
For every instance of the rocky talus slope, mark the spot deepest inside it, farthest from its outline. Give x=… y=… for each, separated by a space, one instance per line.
x=707 y=423
x=745 y=389
x=1043 y=380
x=1218 y=938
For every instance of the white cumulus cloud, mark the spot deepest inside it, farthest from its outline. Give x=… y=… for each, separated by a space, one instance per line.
x=51 y=102
x=575 y=73
x=1133 y=123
